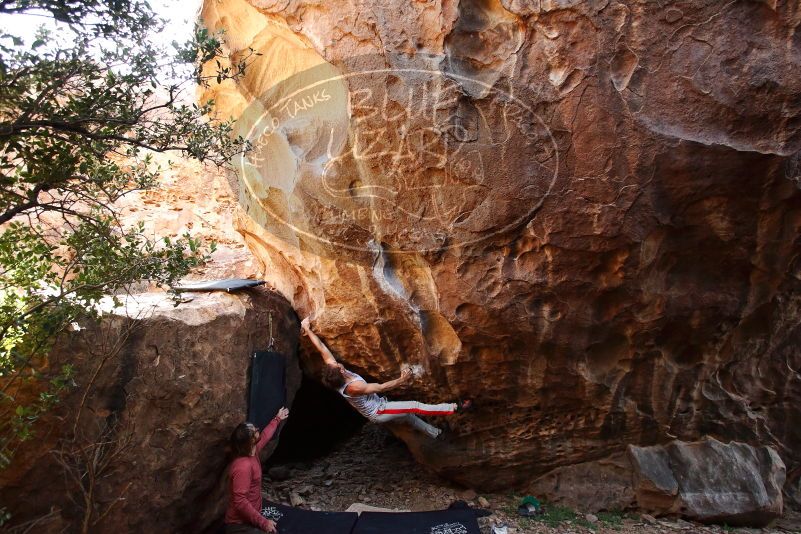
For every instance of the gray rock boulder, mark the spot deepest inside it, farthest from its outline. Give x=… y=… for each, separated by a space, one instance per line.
x=709 y=481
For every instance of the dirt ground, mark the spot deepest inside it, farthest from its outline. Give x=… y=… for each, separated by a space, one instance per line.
x=374 y=468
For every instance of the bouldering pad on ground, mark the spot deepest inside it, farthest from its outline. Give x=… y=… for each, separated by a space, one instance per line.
x=297 y=521
x=434 y=522
x=267 y=386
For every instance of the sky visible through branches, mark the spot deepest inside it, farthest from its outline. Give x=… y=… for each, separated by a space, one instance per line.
x=179 y=16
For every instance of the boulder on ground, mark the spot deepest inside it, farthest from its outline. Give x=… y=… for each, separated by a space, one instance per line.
x=142 y=438
x=709 y=481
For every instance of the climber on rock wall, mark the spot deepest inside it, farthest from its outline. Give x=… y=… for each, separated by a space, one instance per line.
x=364 y=396
x=243 y=515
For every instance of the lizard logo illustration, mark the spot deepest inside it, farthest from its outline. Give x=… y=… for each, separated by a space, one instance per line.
x=449 y=528
x=271 y=512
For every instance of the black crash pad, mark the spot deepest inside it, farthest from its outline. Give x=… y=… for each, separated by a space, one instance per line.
x=267 y=386
x=297 y=521
x=462 y=505
x=457 y=521
x=229 y=284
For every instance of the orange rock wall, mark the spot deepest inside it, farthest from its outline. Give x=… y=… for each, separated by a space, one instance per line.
x=594 y=233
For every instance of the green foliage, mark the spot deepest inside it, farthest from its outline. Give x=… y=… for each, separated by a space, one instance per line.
x=82 y=108
x=552 y=515
x=613 y=519
x=555 y=515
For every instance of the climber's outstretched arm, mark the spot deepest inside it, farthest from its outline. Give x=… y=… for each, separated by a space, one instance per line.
x=328 y=358
x=358 y=387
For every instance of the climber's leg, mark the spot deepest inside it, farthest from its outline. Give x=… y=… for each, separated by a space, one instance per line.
x=411 y=420
x=422 y=426
x=402 y=407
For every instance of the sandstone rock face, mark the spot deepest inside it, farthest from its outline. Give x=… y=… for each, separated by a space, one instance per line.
x=158 y=392
x=708 y=481
x=196 y=199
x=599 y=485
x=584 y=215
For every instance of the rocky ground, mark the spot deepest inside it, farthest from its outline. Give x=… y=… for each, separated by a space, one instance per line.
x=376 y=469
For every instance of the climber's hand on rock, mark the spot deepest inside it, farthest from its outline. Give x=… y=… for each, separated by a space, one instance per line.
x=283 y=413
x=304 y=326
x=271 y=527
x=406 y=376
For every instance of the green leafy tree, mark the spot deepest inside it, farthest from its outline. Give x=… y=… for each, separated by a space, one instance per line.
x=82 y=108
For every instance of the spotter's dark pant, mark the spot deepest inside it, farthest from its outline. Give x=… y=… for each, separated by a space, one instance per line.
x=242 y=529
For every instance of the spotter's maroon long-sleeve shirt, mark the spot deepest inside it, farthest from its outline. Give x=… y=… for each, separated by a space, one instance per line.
x=244 y=484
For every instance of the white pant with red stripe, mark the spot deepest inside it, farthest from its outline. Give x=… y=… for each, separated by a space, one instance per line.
x=407 y=411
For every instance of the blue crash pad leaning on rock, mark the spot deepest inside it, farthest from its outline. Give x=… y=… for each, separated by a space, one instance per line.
x=267 y=386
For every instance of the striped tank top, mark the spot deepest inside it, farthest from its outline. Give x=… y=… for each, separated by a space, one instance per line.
x=367 y=405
